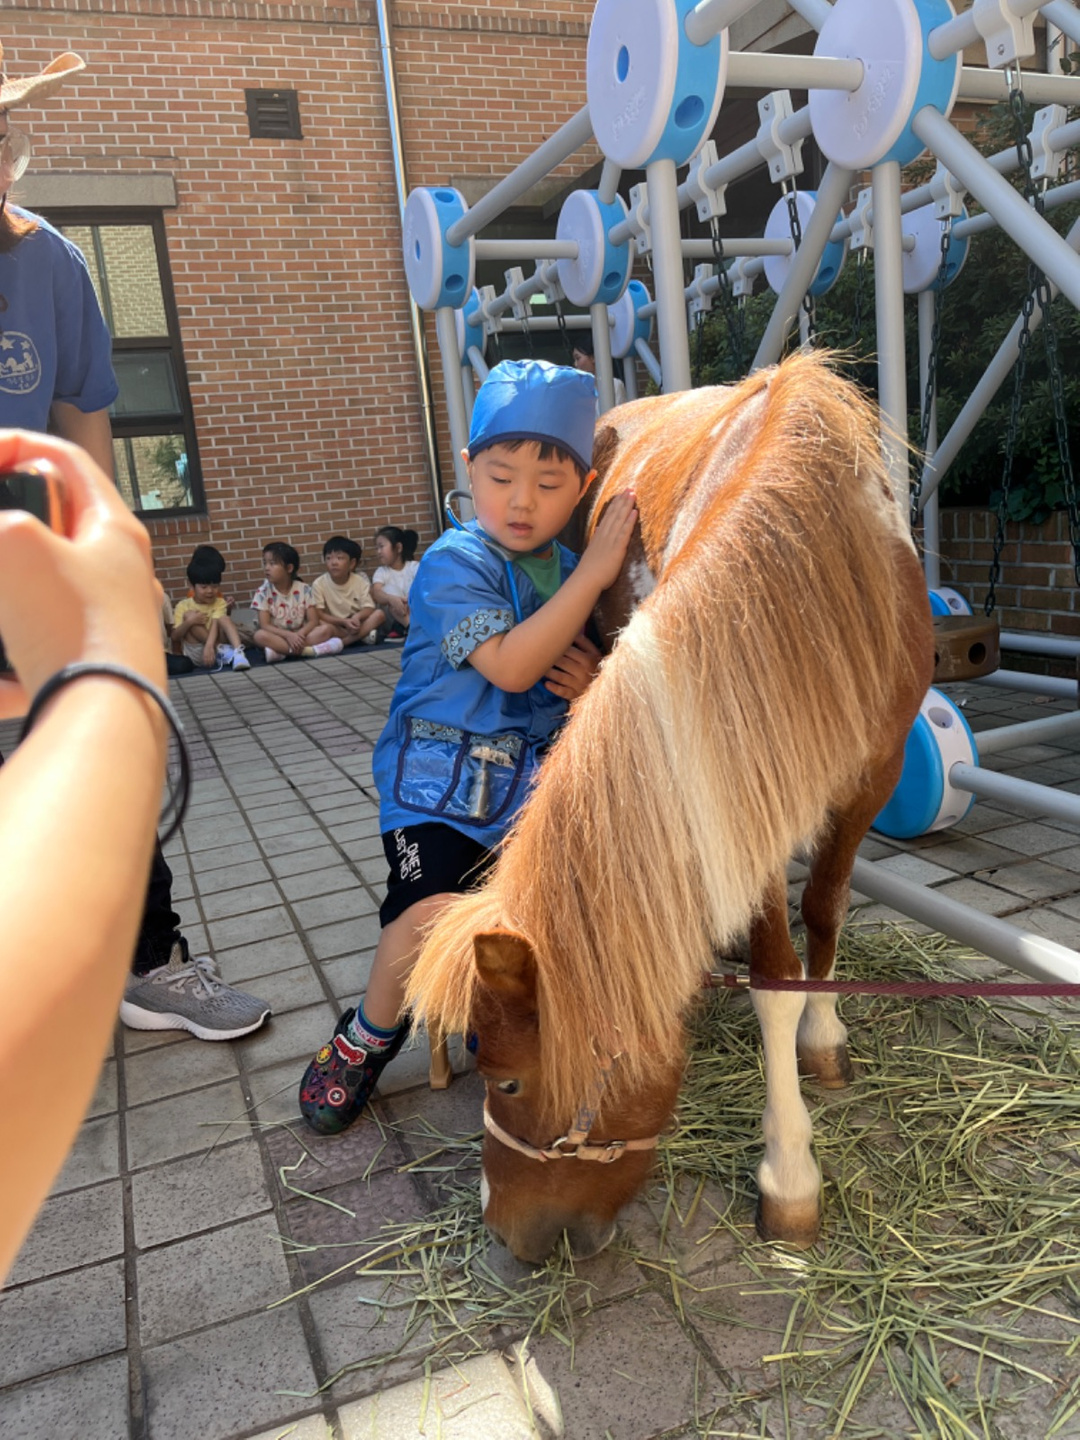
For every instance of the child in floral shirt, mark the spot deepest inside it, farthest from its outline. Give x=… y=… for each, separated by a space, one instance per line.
x=286 y=608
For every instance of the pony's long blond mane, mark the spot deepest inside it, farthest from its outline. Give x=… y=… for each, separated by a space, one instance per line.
x=742 y=700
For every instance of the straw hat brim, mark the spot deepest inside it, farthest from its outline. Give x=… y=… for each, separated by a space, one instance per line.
x=38 y=87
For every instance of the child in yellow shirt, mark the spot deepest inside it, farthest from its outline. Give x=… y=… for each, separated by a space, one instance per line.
x=201 y=622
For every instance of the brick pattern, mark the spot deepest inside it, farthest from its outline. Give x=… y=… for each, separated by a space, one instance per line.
x=286 y=255
x=1037 y=590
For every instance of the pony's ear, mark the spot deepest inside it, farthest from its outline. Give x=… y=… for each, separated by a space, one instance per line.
x=505 y=963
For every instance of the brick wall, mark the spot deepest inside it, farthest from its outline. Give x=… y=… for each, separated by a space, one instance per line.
x=285 y=255
x=1037 y=589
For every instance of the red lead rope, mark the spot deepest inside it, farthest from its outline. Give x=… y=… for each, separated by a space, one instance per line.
x=897 y=987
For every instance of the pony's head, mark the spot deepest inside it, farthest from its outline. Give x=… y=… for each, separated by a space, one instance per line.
x=546 y=1174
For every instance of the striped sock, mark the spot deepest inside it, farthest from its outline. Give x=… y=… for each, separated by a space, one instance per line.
x=368 y=1036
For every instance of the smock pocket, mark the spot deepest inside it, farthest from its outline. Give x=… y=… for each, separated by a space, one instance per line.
x=452 y=774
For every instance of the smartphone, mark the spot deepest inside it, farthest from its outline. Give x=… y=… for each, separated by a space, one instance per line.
x=37 y=488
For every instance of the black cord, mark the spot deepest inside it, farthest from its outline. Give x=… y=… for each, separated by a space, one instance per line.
x=179 y=794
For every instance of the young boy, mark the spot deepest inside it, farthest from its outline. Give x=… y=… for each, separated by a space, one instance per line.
x=494 y=653
x=201 y=622
x=343 y=596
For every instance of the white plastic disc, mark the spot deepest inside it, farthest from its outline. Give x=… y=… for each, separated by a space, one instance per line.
x=922 y=265
x=438 y=274
x=582 y=220
x=630 y=72
x=857 y=128
x=624 y=319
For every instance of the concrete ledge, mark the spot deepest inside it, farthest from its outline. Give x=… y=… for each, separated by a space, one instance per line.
x=85 y=190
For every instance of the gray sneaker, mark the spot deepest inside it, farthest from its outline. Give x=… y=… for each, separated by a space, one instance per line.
x=190 y=995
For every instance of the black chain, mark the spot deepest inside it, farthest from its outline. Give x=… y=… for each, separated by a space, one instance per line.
x=699 y=348
x=931 y=374
x=860 y=295
x=527 y=332
x=733 y=312
x=564 y=333
x=791 y=196
x=496 y=345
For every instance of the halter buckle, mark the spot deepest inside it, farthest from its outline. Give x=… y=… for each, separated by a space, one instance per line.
x=612 y=1150
x=556 y=1148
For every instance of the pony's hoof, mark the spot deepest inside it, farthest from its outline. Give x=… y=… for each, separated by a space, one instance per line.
x=831 y=1069
x=796 y=1224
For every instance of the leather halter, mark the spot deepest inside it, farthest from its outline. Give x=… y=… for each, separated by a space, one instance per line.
x=574 y=1144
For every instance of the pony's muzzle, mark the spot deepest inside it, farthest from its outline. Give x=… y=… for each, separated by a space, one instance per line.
x=535 y=1240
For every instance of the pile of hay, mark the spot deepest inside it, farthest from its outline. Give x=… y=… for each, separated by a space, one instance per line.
x=948 y=1274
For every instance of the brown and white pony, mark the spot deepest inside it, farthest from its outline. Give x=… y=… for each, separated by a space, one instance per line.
x=774 y=642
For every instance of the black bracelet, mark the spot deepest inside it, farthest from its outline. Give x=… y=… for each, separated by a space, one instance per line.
x=177 y=803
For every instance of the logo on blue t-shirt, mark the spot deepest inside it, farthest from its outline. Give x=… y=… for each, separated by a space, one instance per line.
x=20 y=363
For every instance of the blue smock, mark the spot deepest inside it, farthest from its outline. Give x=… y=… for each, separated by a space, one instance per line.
x=443 y=709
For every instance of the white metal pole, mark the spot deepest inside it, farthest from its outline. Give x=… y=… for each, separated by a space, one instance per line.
x=814 y=12
x=762 y=70
x=889 y=309
x=668 y=276
x=605 y=376
x=1025 y=951
x=931 y=529
x=832 y=192
x=960 y=32
x=446 y=330
x=1030 y=732
x=576 y=132
x=1035 y=236
x=709 y=17
x=649 y=360
x=1024 y=794
x=1062 y=17
x=993 y=85
x=1052 y=685
x=629 y=372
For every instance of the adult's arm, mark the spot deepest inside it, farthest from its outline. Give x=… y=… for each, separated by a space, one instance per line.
x=78 y=808
x=90 y=429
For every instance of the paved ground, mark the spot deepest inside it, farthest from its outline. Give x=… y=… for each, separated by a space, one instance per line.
x=139 y=1306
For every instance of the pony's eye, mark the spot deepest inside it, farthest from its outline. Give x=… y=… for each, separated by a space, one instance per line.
x=508 y=1087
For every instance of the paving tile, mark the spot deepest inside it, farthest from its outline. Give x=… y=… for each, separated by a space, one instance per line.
x=338 y=1238
x=1070 y=907
x=94 y=1157
x=136 y=1041
x=410 y=1069
x=477 y=1397
x=261 y=815
x=82 y=1227
x=1035 y=880
x=349 y=975
x=232 y=877
x=213 y=834
x=262 y=957
x=313 y=1427
x=914 y=868
x=275 y=1092
x=294 y=841
x=965 y=854
x=603 y=1387
x=1068 y=859
x=225 y=857
x=294 y=1035
x=160 y=1072
x=1055 y=926
x=243 y=901
x=325 y=1161
x=74 y=1317
x=986 y=898
x=93 y=1398
x=210 y=1278
x=367 y=849
x=348 y=937
x=104 y=1097
x=184 y=1124
x=226 y=1380
x=285 y=990
x=303 y=862
x=1032 y=838
x=172 y=1201
x=325 y=880
x=246 y=929
x=348 y=904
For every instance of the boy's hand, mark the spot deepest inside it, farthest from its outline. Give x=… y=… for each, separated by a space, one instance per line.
x=573 y=672
x=606 y=551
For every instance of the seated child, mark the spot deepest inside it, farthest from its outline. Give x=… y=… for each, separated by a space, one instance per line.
x=207 y=636
x=495 y=652
x=286 y=608
x=392 y=580
x=343 y=596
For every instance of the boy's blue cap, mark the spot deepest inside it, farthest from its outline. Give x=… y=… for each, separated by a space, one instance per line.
x=532 y=400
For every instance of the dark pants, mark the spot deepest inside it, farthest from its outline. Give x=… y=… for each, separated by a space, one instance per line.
x=160 y=928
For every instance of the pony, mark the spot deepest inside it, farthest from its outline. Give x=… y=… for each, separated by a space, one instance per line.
x=772 y=642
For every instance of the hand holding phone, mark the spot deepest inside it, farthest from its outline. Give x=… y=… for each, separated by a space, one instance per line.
x=76 y=582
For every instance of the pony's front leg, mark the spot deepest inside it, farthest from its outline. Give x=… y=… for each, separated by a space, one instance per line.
x=789 y=1186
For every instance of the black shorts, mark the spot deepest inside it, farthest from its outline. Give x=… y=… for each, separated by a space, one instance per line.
x=429 y=859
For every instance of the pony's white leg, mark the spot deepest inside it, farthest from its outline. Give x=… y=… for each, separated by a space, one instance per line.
x=822 y=1040
x=788 y=1181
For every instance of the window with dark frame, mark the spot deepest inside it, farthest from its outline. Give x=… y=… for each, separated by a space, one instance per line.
x=155 y=450
x=273 y=114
